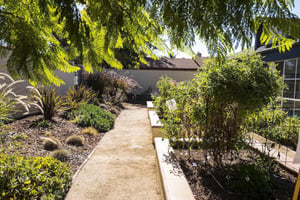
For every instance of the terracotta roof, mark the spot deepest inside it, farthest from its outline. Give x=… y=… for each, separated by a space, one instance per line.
x=173 y=64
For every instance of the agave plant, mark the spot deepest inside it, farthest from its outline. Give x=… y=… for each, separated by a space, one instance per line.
x=77 y=96
x=10 y=102
x=46 y=100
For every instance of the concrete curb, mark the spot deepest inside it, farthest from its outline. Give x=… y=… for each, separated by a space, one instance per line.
x=82 y=164
x=173 y=181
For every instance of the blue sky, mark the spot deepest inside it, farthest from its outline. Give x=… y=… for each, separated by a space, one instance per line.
x=200 y=47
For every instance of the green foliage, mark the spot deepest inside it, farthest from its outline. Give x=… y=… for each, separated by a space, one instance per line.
x=214 y=104
x=9 y=100
x=51 y=143
x=275 y=125
x=78 y=96
x=254 y=180
x=41 y=123
x=48 y=34
x=166 y=88
x=233 y=23
x=60 y=154
x=91 y=115
x=45 y=35
x=90 y=131
x=242 y=79
x=33 y=178
x=47 y=101
x=75 y=140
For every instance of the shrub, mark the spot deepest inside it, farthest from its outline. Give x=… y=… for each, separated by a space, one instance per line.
x=166 y=87
x=33 y=178
x=250 y=180
x=46 y=100
x=112 y=86
x=275 y=125
x=91 y=115
x=60 y=154
x=51 y=143
x=78 y=96
x=75 y=140
x=90 y=131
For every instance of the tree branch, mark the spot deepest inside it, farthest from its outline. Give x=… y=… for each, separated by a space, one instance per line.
x=3 y=13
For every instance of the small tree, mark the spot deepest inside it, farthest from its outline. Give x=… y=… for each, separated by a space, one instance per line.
x=230 y=91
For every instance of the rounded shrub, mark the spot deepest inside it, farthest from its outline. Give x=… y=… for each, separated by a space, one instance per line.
x=51 y=144
x=61 y=155
x=91 y=115
x=33 y=178
x=90 y=131
x=75 y=140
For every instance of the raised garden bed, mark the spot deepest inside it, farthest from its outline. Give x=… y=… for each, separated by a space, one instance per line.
x=206 y=183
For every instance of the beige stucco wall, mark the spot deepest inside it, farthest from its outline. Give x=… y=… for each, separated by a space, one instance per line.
x=68 y=78
x=147 y=79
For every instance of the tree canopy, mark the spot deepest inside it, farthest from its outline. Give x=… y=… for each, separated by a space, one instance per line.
x=40 y=36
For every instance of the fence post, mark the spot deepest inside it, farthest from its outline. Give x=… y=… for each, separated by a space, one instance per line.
x=297 y=187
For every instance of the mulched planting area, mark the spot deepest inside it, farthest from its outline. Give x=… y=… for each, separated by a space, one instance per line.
x=21 y=138
x=203 y=180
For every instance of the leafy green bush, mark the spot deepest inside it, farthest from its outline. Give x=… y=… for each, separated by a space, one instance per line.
x=254 y=180
x=91 y=115
x=77 y=96
x=46 y=100
x=275 y=125
x=33 y=178
x=166 y=87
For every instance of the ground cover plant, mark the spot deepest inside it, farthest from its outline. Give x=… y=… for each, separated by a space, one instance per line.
x=33 y=178
x=213 y=109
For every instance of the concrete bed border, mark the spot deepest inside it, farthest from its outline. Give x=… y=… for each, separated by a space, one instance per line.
x=172 y=178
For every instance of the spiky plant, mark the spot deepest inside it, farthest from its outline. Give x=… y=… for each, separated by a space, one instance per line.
x=77 y=96
x=46 y=100
x=9 y=100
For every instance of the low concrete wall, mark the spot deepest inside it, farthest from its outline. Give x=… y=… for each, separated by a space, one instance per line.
x=173 y=180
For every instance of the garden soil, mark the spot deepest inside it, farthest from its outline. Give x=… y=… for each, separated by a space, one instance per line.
x=123 y=165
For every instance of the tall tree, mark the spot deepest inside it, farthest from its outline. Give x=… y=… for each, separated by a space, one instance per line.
x=33 y=31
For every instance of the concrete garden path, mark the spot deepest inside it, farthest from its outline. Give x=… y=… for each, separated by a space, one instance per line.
x=123 y=166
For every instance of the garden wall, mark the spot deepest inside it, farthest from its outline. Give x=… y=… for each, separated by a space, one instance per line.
x=68 y=78
x=147 y=78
